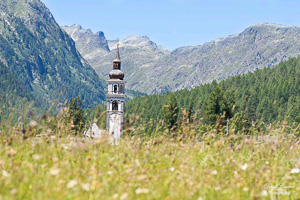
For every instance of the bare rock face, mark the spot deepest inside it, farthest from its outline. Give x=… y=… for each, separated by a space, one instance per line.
x=151 y=69
x=91 y=44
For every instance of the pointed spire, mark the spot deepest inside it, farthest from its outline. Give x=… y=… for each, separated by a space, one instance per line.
x=118 y=53
x=116 y=73
x=117 y=60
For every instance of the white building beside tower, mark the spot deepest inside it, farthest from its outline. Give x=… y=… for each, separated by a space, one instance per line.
x=115 y=100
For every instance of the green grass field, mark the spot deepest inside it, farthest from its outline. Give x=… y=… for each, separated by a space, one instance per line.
x=210 y=166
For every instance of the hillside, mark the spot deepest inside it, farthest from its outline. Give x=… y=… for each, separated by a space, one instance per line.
x=149 y=68
x=42 y=56
x=10 y=83
x=267 y=95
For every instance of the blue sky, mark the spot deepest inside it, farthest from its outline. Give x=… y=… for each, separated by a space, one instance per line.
x=173 y=23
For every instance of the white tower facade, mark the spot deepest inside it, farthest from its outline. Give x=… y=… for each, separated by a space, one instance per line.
x=115 y=100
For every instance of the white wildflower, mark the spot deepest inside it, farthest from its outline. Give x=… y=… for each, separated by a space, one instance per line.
x=142 y=177
x=32 y=123
x=72 y=184
x=217 y=188
x=141 y=191
x=244 y=167
x=137 y=162
x=172 y=169
x=295 y=171
x=13 y=191
x=264 y=193
x=5 y=173
x=86 y=186
x=54 y=171
x=115 y=196
x=109 y=172
x=214 y=172
x=36 y=157
x=55 y=159
x=124 y=196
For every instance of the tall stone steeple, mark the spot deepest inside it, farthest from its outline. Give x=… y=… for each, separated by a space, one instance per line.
x=115 y=100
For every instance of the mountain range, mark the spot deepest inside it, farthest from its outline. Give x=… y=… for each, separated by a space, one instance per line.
x=151 y=69
x=45 y=62
x=42 y=58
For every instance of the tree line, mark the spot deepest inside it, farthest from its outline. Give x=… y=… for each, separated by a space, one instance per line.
x=266 y=95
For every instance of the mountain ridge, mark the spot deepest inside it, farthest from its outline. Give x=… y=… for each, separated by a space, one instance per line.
x=152 y=70
x=131 y=58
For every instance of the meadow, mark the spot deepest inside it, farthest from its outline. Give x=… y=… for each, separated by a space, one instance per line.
x=38 y=162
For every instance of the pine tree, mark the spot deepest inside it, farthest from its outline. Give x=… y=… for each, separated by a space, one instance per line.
x=171 y=113
x=213 y=106
x=228 y=102
x=76 y=114
x=190 y=110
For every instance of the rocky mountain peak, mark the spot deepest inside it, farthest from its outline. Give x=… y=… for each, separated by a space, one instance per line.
x=269 y=28
x=76 y=26
x=271 y=25
x=136 y=41
x=86 y=40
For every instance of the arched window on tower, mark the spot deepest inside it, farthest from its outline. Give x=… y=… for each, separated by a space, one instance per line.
x=115 y=105
x=115 y=89
x=121 y=88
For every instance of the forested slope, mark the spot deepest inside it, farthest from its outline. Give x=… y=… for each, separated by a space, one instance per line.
x=265 y=95
x=43 y=57
x=9 y=83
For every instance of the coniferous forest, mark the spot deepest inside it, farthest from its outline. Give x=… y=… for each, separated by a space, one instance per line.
x=269 y=94
x=266 y=96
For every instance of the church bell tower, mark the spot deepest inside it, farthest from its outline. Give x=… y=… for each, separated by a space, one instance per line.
x=115 y=100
